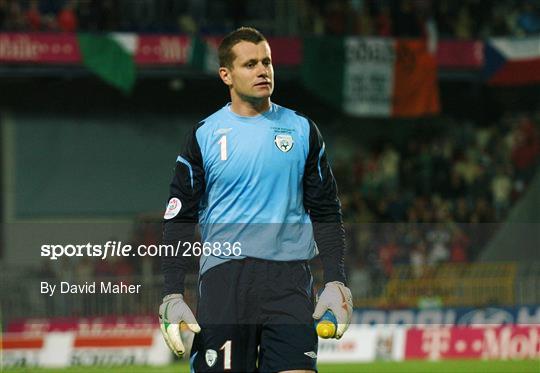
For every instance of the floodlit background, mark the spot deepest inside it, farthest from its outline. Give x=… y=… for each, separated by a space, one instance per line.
x=430 y=112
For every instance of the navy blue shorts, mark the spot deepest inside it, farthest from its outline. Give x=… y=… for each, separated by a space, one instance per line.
x=256 y=316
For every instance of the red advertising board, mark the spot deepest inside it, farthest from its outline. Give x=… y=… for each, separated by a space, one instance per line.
x=286 y=51
x=460 y=54
x=171 y=49
x=162 y=50
x=485 y=342
x=39 y=48
x=84 y=325
x=19 y=341
x=63 y=48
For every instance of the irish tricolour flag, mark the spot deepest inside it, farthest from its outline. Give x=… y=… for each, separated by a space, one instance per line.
x=377 y=77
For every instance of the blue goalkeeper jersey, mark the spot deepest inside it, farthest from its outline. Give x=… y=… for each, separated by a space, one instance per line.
x=257 y=181
x=253 y=167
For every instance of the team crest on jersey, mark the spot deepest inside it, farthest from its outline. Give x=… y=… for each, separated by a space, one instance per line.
x=173 y=208
x=210 y=357
x=284 y=142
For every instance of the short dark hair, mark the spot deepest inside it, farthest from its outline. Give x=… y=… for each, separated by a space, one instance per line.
x=225 y=53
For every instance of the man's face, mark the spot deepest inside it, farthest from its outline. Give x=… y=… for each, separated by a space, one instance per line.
x=252 y=75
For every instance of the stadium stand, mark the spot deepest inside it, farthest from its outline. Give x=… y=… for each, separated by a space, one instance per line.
x=404 y=18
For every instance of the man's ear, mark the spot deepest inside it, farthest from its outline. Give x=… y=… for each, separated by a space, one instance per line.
x=225 y=75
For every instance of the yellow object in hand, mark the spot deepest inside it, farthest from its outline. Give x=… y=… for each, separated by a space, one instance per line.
x=326 y=329
x=327 y=325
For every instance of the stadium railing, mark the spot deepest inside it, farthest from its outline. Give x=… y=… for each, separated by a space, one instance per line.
x=453 y=284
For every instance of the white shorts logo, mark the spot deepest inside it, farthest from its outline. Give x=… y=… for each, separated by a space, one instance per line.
x=210 y=357
x=311 y=354
x=173 y=208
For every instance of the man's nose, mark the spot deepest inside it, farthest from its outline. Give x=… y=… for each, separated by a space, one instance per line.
x=262 y=70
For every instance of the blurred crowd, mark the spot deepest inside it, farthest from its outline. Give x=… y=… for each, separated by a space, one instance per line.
x=468 y=173
x=437 y=199
x=466 y=19
x=401 y=18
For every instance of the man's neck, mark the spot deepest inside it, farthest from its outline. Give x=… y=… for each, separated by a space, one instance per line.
x=248 y=108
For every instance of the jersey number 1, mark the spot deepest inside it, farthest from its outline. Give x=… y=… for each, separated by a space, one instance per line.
x=227 y=346
x=223 y=142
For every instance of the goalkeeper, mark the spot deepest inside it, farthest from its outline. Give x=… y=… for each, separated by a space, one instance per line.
x=255 y=176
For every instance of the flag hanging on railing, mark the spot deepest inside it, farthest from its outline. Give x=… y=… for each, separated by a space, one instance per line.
x=372 y=76
x=110 y=56
x=511 y=61
x=203 y=54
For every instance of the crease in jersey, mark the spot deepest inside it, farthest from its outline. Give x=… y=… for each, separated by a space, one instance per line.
x=182 y=160
x=321 y=152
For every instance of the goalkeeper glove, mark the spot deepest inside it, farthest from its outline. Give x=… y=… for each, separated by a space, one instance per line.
x=172 y=312
x=337 y=298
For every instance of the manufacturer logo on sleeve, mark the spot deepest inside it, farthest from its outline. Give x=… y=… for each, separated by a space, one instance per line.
x=222 y=131
x=173 y=208
x=284 y=142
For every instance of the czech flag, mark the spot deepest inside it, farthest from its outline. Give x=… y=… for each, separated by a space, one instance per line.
x=510 y=61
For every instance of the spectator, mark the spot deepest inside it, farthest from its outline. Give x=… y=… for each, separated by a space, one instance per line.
x=387 y=252
x=528 y=19
x=439 y=240
x=314 y=20
x=67 y=19
x=461 y=210
x=430 y=301
x=483 y=212
x=444 y=18
x=459 y=246
x=363 y=21
x=501 y=187
x=14 y=19
x=33 y=16
x=499 y=24
x=418 y=259
x=4 y=11
x=372 y=176
x=359 y=279
x=463 y=25
x=525 y=150
x=469 y=170
x=406 y=21
x=389 y=164
x=336 y=20
x=384 y=21
x=84 y=271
